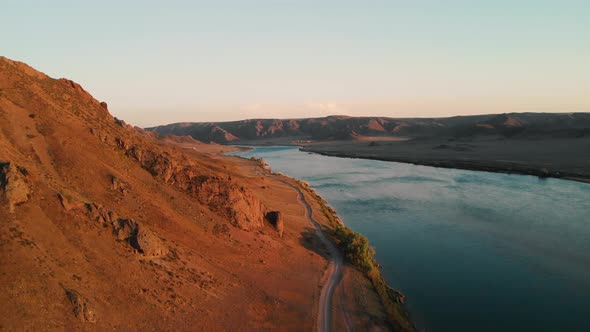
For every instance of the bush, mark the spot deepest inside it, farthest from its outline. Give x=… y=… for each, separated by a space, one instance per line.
x=355 y=247
x=358 y=252
x=260 y=162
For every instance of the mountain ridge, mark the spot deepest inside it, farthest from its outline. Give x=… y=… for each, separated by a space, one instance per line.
x=338 y=127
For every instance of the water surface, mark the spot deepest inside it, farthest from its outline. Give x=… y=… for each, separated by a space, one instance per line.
x=472 y=251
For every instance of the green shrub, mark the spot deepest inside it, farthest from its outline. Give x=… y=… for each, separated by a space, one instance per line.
x=358 y=252
x=355 y=247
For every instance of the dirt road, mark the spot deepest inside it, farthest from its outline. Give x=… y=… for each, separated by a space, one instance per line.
x=334 y=272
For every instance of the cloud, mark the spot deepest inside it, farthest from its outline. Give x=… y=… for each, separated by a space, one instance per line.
x=325 y=108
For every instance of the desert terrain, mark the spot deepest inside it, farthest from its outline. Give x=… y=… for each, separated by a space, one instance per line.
x=105 y=226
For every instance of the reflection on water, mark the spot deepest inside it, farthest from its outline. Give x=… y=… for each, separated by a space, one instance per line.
x=472 y=251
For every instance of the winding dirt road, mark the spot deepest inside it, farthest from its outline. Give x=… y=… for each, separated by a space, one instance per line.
x=334 y=272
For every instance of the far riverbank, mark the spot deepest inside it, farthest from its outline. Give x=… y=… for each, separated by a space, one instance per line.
x=567 y=159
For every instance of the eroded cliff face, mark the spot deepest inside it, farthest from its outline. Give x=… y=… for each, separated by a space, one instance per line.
x=58 y=104
x=222 y=195
x=14 y=185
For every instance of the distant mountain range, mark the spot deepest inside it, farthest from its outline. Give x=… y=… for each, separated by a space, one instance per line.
x=340 y=127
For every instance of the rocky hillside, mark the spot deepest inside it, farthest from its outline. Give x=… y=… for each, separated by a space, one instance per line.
x=104 y=226
x=351 y=128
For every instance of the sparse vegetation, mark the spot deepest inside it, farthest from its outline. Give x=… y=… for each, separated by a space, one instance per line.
x=355 y=247
x=359 y=253
x=260 y=162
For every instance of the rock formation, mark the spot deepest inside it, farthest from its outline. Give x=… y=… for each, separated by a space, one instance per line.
x=68 y=203
x=128 y=230
x=81 y=306
x=14 y=185
x=237 y=203
x=147 y=243
x=120 y=185
x=276 y=219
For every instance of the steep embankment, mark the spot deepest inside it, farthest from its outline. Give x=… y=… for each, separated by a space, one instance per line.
x=104 y=226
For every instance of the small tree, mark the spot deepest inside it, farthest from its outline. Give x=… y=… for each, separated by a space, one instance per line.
x=356 y=248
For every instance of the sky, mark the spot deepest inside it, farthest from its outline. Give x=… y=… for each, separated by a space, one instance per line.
x=157 y=62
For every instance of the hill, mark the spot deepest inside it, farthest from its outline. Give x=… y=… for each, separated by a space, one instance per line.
x=513 y=125
x=104 y=226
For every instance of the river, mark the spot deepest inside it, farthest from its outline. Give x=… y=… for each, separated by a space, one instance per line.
x=472 y=251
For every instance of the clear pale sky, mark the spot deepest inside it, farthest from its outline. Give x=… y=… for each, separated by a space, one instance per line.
x=157 y=62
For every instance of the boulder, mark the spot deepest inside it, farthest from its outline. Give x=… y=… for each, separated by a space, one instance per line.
x=120 y=185
x=75 y=87
x=81 y=306
x=69 y=203
x=135 y=234
x=14 y=185
x=125 y=230
x=147 y=243
x=120 y=123
x=101 y=215
x=276 y=219
x=139 y=237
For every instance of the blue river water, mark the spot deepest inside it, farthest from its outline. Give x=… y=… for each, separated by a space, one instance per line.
x=472 y=251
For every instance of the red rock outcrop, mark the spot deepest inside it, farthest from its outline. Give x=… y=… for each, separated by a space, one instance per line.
x=238 y=204
x=81 y=306
x=134 y=233
x=148 y=243
x=119 y=185
x=276 y=219
x=14 y=185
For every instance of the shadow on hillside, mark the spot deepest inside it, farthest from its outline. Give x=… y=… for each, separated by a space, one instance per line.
x=311 y=241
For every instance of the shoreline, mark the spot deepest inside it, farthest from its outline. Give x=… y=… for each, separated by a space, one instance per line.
x=334 y=272
x=391 y=299
x=464 y=165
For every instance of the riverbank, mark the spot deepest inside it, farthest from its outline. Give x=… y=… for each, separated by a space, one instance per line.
x=481 y=231
x=556 y=158
x=361 y=271
x=358 y=253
